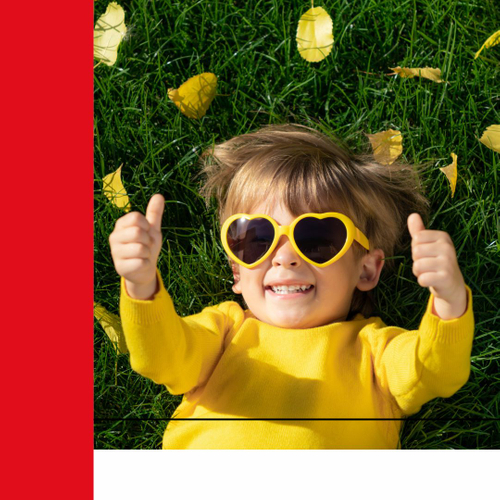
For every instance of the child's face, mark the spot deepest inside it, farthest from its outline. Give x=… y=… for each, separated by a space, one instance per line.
x=326 y=302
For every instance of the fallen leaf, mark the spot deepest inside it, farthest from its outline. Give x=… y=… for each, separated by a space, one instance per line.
x=115 y=191
x=108 y=33
x=491 y=137
x=433 y=74
x=387 y=146
x=451 y=173
x=492 y=40
x=112 y=325
x=315 y=34
x=194 y=96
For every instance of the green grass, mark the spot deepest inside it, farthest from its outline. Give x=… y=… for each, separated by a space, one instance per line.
x=250 y=46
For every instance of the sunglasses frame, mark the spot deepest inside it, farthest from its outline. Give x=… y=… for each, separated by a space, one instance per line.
x=353 y=233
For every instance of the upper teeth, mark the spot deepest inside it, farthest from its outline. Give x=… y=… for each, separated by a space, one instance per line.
x=290 y=289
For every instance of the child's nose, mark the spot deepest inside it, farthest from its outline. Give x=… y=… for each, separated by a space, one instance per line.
x=285 y=255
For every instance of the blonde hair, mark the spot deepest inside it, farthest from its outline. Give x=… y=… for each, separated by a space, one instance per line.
x=307 y=171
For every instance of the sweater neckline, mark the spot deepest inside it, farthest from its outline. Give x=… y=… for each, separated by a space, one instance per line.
x=359 y=318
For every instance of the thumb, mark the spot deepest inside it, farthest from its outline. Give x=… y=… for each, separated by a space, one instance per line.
x=154 y=211
x=415 y=224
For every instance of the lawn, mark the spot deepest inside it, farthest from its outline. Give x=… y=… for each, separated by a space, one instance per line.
x=250 y=46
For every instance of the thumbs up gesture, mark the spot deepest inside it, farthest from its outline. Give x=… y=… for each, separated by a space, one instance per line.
x=435 y=266
x=135 y=246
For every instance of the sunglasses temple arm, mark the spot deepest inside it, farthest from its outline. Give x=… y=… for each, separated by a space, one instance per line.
x=361 y=238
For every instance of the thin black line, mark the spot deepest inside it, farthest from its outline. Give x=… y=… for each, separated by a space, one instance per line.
x=479 y=419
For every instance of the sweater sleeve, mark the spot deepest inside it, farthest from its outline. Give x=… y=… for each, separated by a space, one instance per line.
x=179 y=353
x=433 y=361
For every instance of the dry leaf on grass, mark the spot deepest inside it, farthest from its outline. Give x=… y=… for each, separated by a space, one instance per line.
x=115 y=191
x=492 y=40
x=194 y=96
x=387 y=146
x=112 y=325
x=315 y=34
x=108 y=33
x=451 y=173
x=433 y=74
x=491 y=137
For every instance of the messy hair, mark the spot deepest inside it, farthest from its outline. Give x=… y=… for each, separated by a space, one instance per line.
x=308 y=171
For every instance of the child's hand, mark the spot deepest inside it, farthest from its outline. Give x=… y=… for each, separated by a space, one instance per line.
x=435 y=265
x=135 y=246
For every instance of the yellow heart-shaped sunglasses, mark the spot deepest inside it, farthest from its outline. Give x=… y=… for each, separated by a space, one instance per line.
x=320 y=239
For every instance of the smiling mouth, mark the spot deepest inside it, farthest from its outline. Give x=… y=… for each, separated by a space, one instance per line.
x=289 y=290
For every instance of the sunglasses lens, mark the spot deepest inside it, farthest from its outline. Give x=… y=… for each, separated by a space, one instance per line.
x=249 y=239
x=320 y=239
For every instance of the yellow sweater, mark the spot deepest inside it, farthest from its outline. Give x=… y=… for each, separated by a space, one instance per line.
x=230 y=365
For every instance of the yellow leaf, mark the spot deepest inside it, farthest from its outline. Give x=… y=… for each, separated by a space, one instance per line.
x=433 y=74
x=315 y=34
x=492 y=40
x=451 y=173
x=194 y=96
x=387 y=146
x=491 y=137
x=108 y=33
x=114 y=190
x=112 y=325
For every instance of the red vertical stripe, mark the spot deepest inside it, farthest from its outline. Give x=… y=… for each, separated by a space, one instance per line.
x=46 y=249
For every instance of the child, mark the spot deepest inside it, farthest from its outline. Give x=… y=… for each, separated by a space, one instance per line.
x=306 y=226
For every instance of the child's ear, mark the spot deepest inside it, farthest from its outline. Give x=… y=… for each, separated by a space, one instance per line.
x=236 y=275
x=371 y=268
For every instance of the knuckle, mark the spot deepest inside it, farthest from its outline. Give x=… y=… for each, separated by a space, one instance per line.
x=135 y=215
x=446 y=239
x=114 y=250
x=136 y=232
x=422 y=280
x=134 y=218
x=138 y=249
x=127 y=218
x=137 y=265
x=119 y=222
x=444 y=242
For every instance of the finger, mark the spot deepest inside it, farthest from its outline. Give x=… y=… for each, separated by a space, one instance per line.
x=132 y=234
x=421 y=266
x=133 y=251
x=429 y=279
x=422 y=250
x=415 y=224
x=127 y=268
x=132 y=219
x=430 y=236
x=154 y=211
